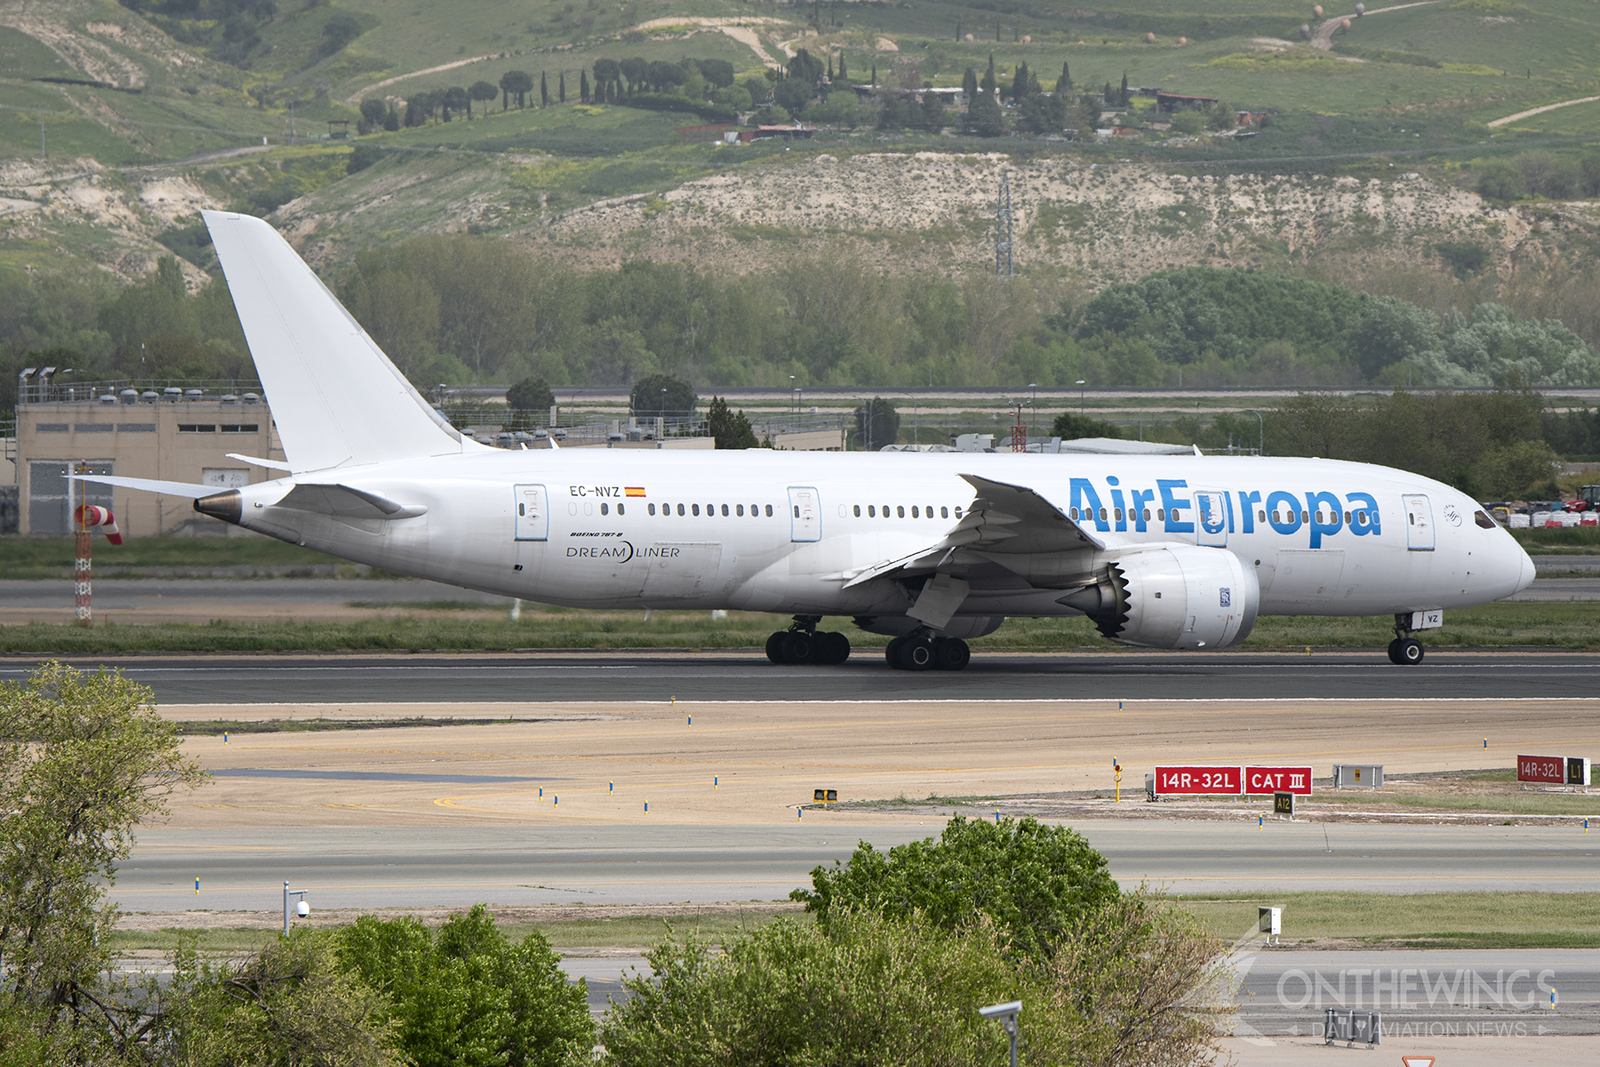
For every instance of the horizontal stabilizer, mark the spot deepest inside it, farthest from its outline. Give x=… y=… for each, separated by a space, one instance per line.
x=270 y=464
x=150 y=485
x=344 y=502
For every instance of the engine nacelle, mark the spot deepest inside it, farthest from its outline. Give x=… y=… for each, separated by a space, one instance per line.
x=1182 y=596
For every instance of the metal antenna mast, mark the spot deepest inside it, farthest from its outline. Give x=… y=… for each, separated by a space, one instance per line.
x=1002 y=230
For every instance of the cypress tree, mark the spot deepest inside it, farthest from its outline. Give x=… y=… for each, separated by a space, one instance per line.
x=843 y=74
x=562 y=86
x=969 y=84
x=874 y=75
x=583 y=85
x=544 y=90
x=1064 y=86
x=1125 y=96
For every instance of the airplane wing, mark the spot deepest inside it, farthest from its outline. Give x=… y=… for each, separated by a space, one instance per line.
x=150 y=485
x=1003 y=520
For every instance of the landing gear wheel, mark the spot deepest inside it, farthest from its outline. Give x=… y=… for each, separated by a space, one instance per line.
x=832 y=648
x=916 y=655
x=775 y=647
x=892 y=652
x=1410 y=651
x=799 y=647
x=1394 y=652
x=951 y=654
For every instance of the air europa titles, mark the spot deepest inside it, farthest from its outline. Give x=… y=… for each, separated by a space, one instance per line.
x=1173 y=507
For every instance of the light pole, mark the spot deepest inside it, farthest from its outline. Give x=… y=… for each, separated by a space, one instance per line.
x=1007 y=1013
x=1261 y=430
x=1033 y=410
x=1079 y=384
x=301 y=909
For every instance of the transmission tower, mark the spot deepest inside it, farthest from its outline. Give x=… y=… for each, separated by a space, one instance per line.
x=1002 y=231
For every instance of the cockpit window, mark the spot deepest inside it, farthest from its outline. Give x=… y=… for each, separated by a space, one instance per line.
x=1482 y=519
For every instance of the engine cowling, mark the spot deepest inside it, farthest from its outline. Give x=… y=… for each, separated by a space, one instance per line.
x=1182 y=596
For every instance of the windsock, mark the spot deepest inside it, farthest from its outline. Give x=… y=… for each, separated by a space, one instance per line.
x=90 y=515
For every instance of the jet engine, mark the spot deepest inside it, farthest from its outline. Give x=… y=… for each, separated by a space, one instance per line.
x=1182 y=596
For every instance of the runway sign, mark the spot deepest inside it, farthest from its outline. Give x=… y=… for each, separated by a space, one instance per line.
x=1260 y=781
x=1547 y=770
x=1199 y=781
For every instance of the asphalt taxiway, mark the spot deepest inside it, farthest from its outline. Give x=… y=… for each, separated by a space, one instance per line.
x=745 y=676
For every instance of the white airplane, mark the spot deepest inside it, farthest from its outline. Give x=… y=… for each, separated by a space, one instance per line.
x=1159 y=551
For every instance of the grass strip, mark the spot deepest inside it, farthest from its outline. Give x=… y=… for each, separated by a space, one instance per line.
x=1413 y=920
x=1570 y=625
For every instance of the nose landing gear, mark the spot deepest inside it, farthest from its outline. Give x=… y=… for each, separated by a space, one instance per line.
x=801 y=643
x=1404 y=650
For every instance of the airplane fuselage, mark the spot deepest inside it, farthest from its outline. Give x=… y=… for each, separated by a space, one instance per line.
x=786 y=532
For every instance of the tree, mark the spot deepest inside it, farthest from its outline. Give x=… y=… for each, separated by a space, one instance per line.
x=583 y=85
x=544 y=89
x=1391 y=330
x=372 y=111
x=969 y=84
x=293 y=1002
x=1124 y=98
x=531 y=394
x=467 y=995
x=561 y=84
x=844 y=75
x=1024 y=84
x=1499 y=179
x=878 y=423
x=483 y=92
x=933 y=117
x=989 y=83
x=607 y=72
x=84 y=758
x=516 y=83
x=1033 y=881
x=338 y=32
x=1069 y=426
x=718 y=72
x=662 y=76
x=793 y=95
x=1064 y=83
x=456 y=99
x=662 y=395
x=984 y=116
x=634 y=69
x=805 y=67
x=730 y=429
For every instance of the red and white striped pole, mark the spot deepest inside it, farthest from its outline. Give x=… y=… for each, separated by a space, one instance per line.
x=84 y=517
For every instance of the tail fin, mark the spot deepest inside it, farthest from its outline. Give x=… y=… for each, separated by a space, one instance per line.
x=336 y=398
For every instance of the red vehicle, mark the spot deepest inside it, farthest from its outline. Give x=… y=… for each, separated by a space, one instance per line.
x=1588 y=500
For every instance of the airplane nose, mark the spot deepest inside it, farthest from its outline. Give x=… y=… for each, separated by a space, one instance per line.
x=1525 y=577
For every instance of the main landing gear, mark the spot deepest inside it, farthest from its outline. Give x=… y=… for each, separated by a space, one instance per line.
x=923 y=652
x=802 y=644
x=1404 y=650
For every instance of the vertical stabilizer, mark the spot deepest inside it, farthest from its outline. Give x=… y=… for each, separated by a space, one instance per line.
x=335 y=397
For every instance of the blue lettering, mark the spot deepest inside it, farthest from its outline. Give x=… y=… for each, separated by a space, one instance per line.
x=1141 y=497
x=1332 y=525
x=1290 y=522
x=1172 y=503
x=1088 y=502
x=1247 y=504
x=1367 y=503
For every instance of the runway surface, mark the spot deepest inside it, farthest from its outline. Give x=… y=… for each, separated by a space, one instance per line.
x=598 y=863
x=721 y=676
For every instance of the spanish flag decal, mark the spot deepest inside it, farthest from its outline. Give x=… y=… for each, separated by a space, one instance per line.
x=633 y=490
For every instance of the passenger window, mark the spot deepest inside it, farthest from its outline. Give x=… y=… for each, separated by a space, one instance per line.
x=522 y=509
x=724 y=511
x=886 y=511
x=872 y=511
x=928 y=511
x=695 y=508
x=605 y=509
x=1102 y=514
x=1161 y=513
x=1146 y=514
x=914 y=514
x=1074 y=513
x=1347 y=518
x=622 y=509
x=1361 y=518
x=858 y=511
x=797 y=511
x=769 y=511
x=1274 y=516
x=900 y=512
x=738 y=509
x=944 y=513
x=652 y=509
x=1263 y=517
x=958 y=511
x=1119 y=514
x=1304 y=517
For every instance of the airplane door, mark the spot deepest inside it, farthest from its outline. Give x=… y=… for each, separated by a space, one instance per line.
x=1419 y=523
x=805 y=515
x=532 y=515
x=1211 y=518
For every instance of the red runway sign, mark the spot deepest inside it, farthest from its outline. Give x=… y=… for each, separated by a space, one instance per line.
x=1549 y=770
x=1262 y=781
x=1199 y=781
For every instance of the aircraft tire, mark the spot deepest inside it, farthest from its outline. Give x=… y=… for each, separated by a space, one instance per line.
x=1394 y=652
x=775 y=647
x=951 y=654
x=834 y=648
x=892 y=653
x=1410 y=651
x=917 y=655
x=799 y=648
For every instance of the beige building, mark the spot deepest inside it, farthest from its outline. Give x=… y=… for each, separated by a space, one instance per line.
x=172 y=434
